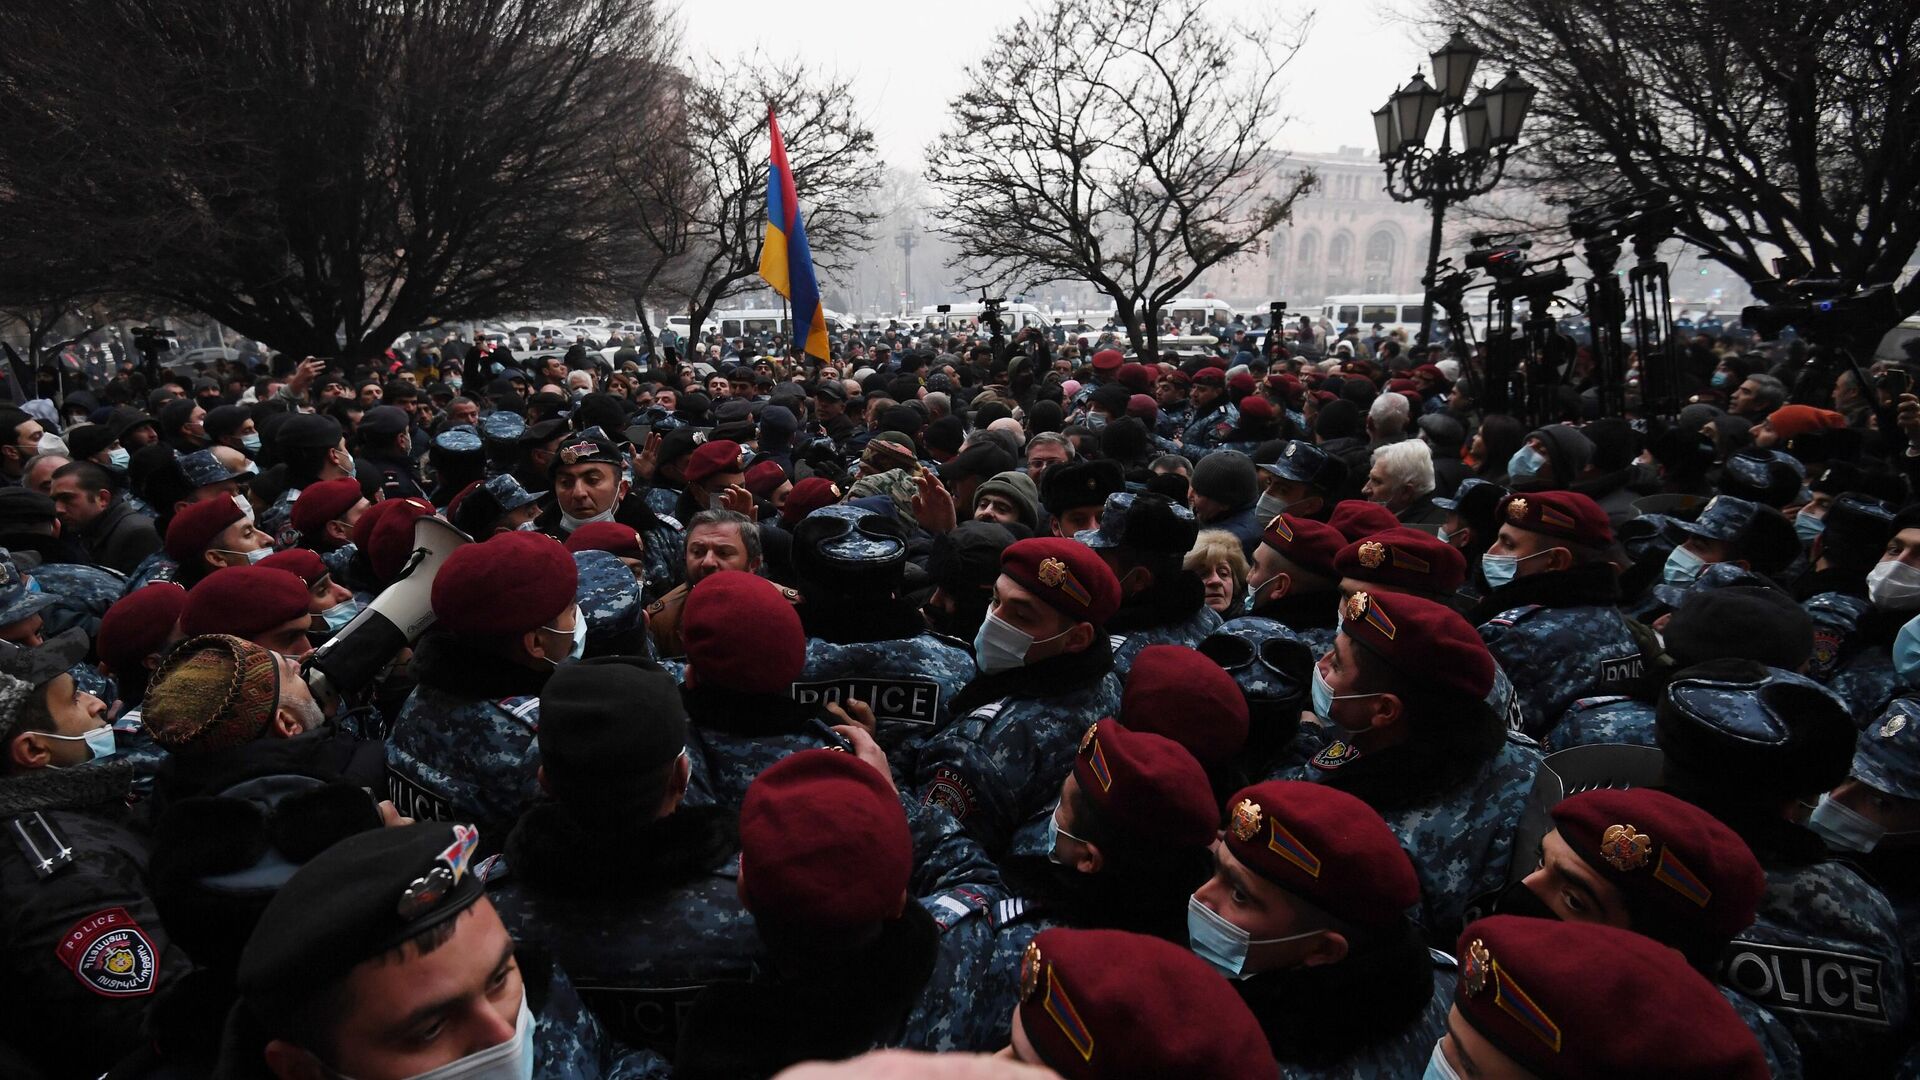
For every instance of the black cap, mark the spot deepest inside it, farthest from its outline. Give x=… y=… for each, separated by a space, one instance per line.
x=1758 y=476
x=310 y=431
x=968 y=558
x=384 y=422
x=1071 y=485
x=355 y=901
x=847 y=546
x=20 y=505
x=1305 y=463
x=832 y=389
x=678 y=443
x=1857 y=528
x=604 y=723
x=983 y=459
x=1474 y=500
x=1740 y=732
x=584 y=450
x=224 y=420
x=1742 y=622
x=1153 y=524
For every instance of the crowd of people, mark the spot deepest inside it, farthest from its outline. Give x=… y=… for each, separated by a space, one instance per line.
x=958 y=706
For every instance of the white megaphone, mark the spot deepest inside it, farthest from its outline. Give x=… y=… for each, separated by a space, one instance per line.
x=352 y=658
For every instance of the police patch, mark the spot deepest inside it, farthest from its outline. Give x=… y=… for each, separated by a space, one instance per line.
x=905 y=700
x=1336 y=754
x=1620 y=669
x=1845 y=986
x=1892 y=727
x=953 y=792
x=1826 y=652
x=110 y=955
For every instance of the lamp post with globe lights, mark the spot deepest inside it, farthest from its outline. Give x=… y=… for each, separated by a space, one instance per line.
x=1489 y=130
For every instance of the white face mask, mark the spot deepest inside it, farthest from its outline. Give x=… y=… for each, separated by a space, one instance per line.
x=1438 y=1068
x=1001 y=646
x=509 y=1060
x=1894 y=586
x=1221 y=943
x=570 y=523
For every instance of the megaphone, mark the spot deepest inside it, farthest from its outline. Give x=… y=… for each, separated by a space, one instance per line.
x=351 y=659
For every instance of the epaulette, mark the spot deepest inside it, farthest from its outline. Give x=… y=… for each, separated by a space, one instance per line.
x=525 y=708
x=1512 y=616
x=1597 y=701
x=43 y=846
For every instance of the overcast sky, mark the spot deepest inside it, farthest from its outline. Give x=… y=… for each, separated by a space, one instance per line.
x=906 y=61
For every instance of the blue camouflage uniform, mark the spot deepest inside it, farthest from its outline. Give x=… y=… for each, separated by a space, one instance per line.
x=641 y=930
x=82 y=594
x=155 y=567
x=1460 y=841
x=1210 y=428
x=732 y=738
x=1609 y=718
x=1560 y=655
x=276 y=518
x=1172 y=420
x=609 y=599
x=909 y=682
x=569 y=1043
x=1126 y=646
x=1847 y=656
x=1402 y=1054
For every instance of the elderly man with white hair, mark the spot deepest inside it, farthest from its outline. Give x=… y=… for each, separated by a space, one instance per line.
x=1387 y=419
x=1401 y=479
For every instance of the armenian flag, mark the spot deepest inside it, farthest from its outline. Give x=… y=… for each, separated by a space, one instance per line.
x=785 y=261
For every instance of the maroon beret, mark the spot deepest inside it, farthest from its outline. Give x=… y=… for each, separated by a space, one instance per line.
x=509 y=584
x=1210 y=376
x=1142 y=406
x=1175 y=691
x=1136 y=377
x=1310 y=545
x=741 y=632
x=1688 y=880
x=1579 y=1000
x=137 y=625
x=765 y=478
x=1108 y=360
x=1325 y=846
x=608 y=536
x=1258 y=408
x=1402 y=386
x=1428 y=643
x=323 y=502
x=823 y=843
x=1356 y=518
x=1179 y=378
x=298 y=561
x=807 y=496
x=1241 y=384
x=1066 y=575
x=243 y=601
x=713 y=457
x=1432 y=371
x=1403 y=558
x=1563 y=515
x=1146 y=786
x=192 y=529
x=390 y=539
x=1108 y=1003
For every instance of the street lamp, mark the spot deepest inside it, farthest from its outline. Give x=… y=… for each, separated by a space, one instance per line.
x=1489 y=130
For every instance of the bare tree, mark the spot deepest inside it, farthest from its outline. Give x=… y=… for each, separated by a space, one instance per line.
x=725 y=146
x=324 y=176
x=1779 y=127
x=1104 y=141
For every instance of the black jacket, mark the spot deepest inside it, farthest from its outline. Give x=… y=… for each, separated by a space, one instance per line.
x=121 y=538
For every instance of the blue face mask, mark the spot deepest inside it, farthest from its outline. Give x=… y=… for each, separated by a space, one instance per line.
x=1499 y=570
x=1438 y=1068
x=99 y=741
x=1808 y=526
x=1054 y=833
x=1525 y=463
x=1721 y=378
x=579 y=636
x=119 y=459
x=1221 y=943
x=1906 y=652
x=251 y=442
x=339 y=615
x=1683 y=567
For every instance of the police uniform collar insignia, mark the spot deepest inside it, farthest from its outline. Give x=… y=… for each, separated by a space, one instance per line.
x=1030 y=965
x=1372 y=554
x=432 y=887
x=1246 y=820
x=1517 y=510
x=1625 y=848
x=1893 y=726
x=1475 y=968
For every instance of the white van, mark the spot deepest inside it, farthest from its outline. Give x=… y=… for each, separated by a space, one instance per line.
x=748 y=322
x=966 y=317
x=1363 y=310
x=1205 y=311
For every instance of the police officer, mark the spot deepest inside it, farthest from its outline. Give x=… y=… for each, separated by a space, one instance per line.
x=84 y=946
x=1749 y=743
x=1303 y=481
x=1098 y=1004
x=1306 y=911
x=1525 y=1005
x=1551 y=619
x=865 y=639
x=1402 y=700
x=1144 y=540
x=498 y=504
x=642 y=933
x=1045 y=675
x=1645 y=861
x=1853 y=640
x=1471 y=526
x=588 y=480
x=826 y=868
x=324 y=519
x=136 y=633
x=1272 y=667
x=1731 y=530
x=1293 y=580
x=313 y=448
x=745 y=651
x=506 y=617
x=386 y=443
x=1873 y=816
x=383 y=957
x=1214 y=416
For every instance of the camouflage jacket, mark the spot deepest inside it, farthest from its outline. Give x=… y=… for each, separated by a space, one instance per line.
x=1557 y=655
x=1187 y=629
x=1613 y=718
x=734 y=737
x=907 y=674
x=568 y=1041
x=640 y=934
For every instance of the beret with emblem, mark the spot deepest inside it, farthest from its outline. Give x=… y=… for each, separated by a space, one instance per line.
x=137 y=625
x=1687 y=879
x=1427 y=643
x=807 y=496
x=1066 y=575
x=742 y=633
x=1579 y=1000
x=193 y=529
x=1146 y=786
x=713 y=457
x=1108 y=360
x=1175 y=691
x=509 y=584
x=1325 y=846
x=244 y=601
x=1310 y=545
x=1210 y=376
x=1563 y=515
x=1110 y=1004
x=765 y=478
x=323 y=502
x=824 y=843
x=301 y=562
x=609 y=536
x=211 y=693
x=1358 y=518
x=1887 y=756
x=1403 y=558
x=355 y=901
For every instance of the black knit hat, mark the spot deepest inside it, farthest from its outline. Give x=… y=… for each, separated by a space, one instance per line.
x=606 y=723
